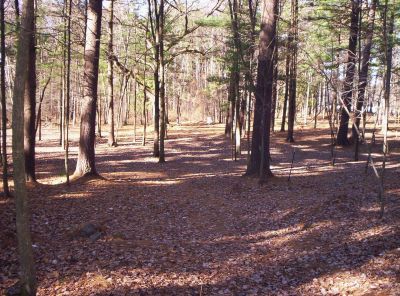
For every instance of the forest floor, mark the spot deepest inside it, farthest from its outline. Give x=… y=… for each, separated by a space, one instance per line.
x=195 y=226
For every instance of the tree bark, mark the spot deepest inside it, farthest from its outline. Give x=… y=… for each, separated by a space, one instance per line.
x=388 y=42
x=231 y=108
x=155 y=26
x=86 y=155
x=274 y=91
x=110 y=77
x=68 y=5
x=287 y=82
x=293 y=71
x=163 y=123
x=27 y=274
x=259 y=163
x=342 y=139
x=363 y=77
x=3 y=101
x=30 y=108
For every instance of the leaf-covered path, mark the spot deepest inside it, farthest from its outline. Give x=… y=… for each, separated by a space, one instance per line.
x=194 y=226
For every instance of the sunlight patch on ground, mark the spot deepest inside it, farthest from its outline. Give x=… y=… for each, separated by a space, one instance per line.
x=349 y=283
x=379 y=230
x=137 y=175
x=160 y=182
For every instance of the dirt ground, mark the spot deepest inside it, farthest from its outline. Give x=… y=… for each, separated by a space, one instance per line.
x=195 y=226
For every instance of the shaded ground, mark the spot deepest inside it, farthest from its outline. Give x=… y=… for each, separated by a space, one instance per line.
x=194 y=226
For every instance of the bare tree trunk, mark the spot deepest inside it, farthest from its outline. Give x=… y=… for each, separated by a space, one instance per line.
x=342 y=139
x=316 y=106
x=30 y=108
x=231 y=108
x=363 y=77
x=60 y=102
x=309 y=81
x=259 y=163
x=135 y=85
x=68 y=87
x=110 y=77
x=144 y=116
x=388 y=41
x=274 y=91
x=155 y=26
x=3 y=101
x=86 y=155
x=144 y=92
x=161 y=157
x=287 y=82
x=27 y=274
x=293 y=71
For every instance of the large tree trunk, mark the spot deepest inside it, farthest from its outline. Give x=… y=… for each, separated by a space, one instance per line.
x=27 y=274
x=3 y=101
x=363 y=76
x=348 y=87
x=110 y=77
x=30 y=108
x=259 y=163
x=86 y=155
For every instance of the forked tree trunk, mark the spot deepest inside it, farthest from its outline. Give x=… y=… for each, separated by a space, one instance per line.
x=348 y=87
x=27 y=269
x=86 y=155
x=259 y=163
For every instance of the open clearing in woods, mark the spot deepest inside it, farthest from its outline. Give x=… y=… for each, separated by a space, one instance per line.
x=194 y=226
